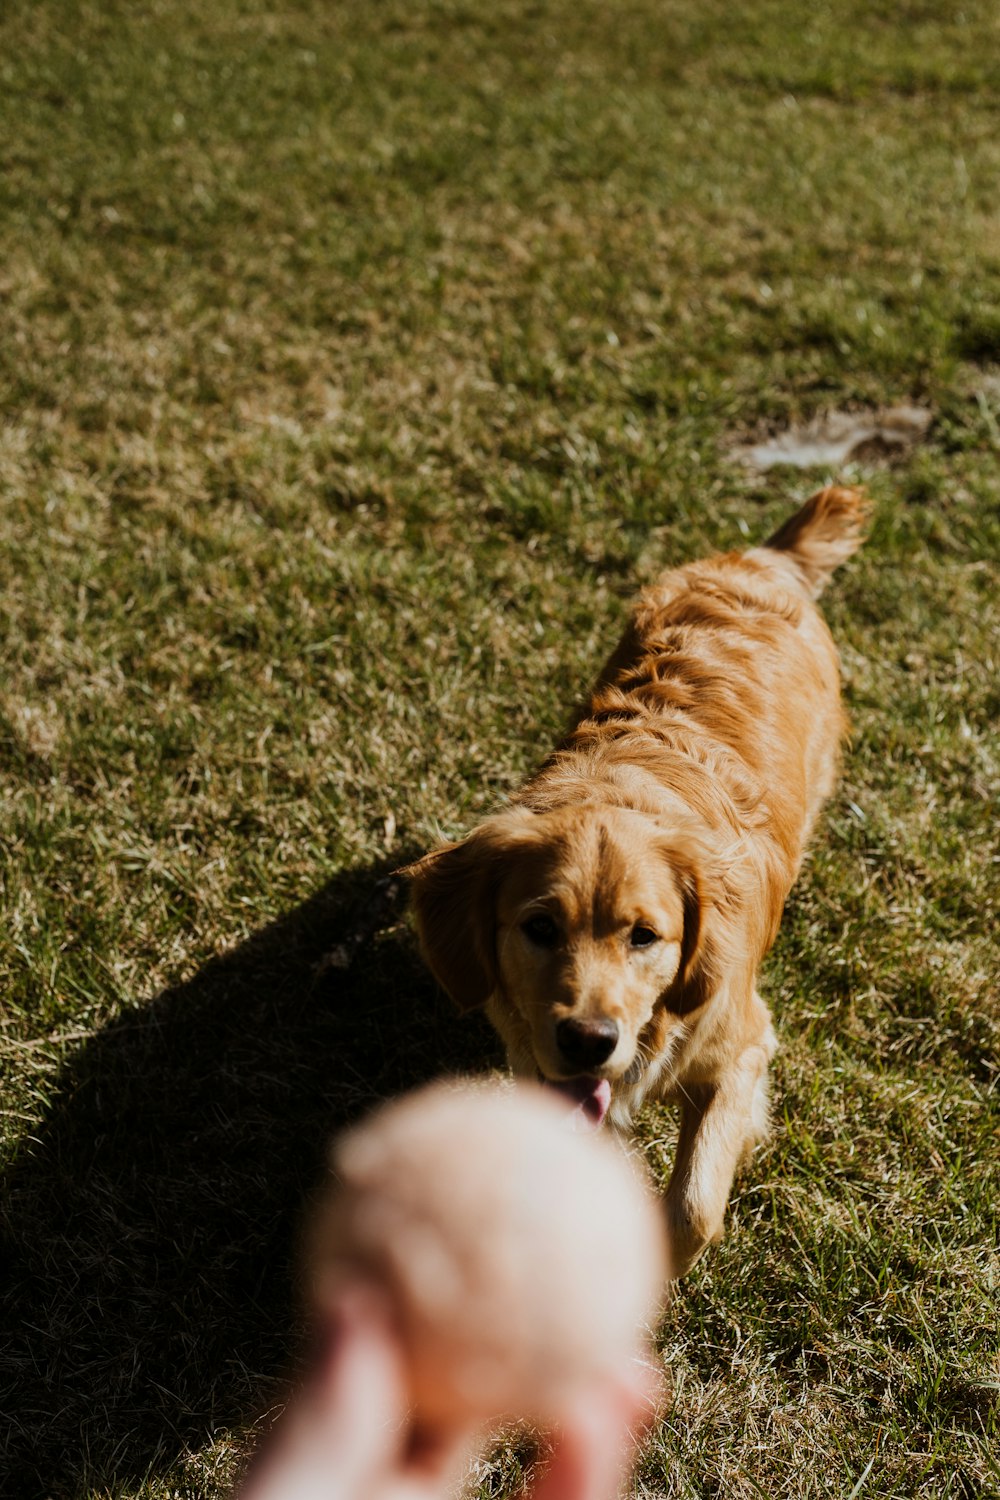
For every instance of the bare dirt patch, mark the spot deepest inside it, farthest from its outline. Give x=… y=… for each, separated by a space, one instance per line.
x=840 y=437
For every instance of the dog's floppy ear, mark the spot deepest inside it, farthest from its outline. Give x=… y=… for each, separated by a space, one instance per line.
x=691 y=869
x=454 y=901
x=695 y=897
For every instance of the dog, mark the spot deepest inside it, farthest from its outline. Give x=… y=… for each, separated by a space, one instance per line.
x=613 y=918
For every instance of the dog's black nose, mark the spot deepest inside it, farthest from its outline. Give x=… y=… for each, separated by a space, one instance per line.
x=587 y=1043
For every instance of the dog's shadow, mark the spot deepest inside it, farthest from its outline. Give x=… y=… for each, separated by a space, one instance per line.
x=150 y=1225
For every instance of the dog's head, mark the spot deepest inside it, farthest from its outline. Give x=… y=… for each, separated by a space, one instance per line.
x=587 y=922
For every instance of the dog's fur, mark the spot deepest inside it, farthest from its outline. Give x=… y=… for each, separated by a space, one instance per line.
x=639 y=877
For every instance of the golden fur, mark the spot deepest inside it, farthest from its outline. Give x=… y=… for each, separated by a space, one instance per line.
x=624 y=902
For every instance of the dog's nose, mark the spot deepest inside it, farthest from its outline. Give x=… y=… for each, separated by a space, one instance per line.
x=587 y=1043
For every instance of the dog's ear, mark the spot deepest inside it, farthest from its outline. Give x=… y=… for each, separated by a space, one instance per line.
x=694 y=894
x=454 y=893
x=691 y=868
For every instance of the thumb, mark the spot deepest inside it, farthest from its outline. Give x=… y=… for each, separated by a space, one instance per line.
x=359 y=1390
x=347 y=1425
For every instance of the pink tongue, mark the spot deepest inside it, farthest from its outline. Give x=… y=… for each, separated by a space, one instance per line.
x=591 y=1098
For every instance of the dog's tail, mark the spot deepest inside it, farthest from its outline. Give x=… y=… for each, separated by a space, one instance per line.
x=822 y=535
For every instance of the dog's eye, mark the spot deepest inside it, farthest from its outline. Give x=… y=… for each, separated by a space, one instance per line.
x=541 y=930
x=642 y=936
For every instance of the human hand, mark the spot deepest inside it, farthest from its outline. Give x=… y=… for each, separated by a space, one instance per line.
x=348 y=1433
x=475 y=1261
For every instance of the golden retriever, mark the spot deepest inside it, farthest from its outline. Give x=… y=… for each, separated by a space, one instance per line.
x=613 y=919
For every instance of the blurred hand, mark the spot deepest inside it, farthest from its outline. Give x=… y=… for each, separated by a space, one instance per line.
x=347 y=1435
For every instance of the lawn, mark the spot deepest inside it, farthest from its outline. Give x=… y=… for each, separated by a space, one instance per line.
x=356 y=363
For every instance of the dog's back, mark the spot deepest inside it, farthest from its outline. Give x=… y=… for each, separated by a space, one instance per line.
x=726 y=682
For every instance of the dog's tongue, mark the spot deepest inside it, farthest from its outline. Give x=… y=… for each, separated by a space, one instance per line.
x=590 y=1097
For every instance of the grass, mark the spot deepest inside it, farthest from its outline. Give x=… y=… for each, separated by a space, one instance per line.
x=355 y=364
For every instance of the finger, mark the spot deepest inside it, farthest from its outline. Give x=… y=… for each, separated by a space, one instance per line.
x=346 y=1428
x=598 y=1437
x=360 y=1387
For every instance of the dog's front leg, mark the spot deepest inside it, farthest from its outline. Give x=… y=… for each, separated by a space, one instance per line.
x=720 y=1124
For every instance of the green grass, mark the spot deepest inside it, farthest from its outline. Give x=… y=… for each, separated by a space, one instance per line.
x=356 y=362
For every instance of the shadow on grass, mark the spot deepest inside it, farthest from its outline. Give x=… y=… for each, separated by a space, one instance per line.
x=150 y=1228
